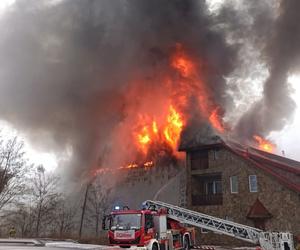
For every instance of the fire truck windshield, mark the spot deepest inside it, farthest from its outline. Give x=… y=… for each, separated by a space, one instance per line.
x=125 y=221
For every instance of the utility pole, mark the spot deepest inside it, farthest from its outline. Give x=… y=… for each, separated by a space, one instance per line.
x=83 y=208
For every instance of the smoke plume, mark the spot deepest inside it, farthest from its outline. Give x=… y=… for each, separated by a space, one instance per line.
x=281 y=51
x=66 y=67
x=73 y=73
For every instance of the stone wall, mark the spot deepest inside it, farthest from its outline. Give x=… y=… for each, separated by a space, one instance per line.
x=159 y=182
x=281 y=202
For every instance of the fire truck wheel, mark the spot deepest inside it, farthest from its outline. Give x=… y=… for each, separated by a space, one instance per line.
x=186 y=243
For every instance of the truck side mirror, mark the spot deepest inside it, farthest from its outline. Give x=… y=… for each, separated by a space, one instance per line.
x=105 y=222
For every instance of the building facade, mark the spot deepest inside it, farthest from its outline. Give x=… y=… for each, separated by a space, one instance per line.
x=160 y=182
x=244 y=185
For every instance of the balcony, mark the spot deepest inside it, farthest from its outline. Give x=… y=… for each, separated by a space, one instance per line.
x=207 y=200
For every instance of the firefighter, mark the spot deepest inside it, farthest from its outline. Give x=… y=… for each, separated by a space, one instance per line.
x=12 y=232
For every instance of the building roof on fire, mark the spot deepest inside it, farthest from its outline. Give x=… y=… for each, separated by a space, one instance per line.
x=284 y=170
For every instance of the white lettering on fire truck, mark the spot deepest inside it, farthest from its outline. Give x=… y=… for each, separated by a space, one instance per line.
x=129 y=234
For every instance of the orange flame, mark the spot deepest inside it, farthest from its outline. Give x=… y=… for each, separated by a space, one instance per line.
x=149 y=164
x=131 y=165
x=144 y=137
x=173 y=128
x=264 y=144
x=154 y=127
x=156 y=114
x=215 y=120
x=168 y=132
x=193 y=84
x=183 y=65
x=165 y=129
x=145 y=165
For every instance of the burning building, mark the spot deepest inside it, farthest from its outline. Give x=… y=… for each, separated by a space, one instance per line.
x=121 y=81
x=221 y=178
x=124 y=83
x=182 y=100
x=155 y=129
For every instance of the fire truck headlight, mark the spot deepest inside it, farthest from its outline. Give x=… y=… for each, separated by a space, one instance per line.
x=117 y=208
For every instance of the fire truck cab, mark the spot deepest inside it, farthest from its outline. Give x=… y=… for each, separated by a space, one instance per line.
x=147 y=228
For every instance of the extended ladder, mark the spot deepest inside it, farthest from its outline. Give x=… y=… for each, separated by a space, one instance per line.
x=208 y=222
x=267 y=240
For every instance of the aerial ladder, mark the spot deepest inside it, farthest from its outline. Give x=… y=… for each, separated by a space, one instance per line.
x=267 y=240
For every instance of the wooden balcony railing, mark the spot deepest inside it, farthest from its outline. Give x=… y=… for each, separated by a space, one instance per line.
x=206 y=200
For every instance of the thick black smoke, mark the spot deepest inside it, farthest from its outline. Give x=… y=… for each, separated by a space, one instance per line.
x=65 y=67
x=281 y=52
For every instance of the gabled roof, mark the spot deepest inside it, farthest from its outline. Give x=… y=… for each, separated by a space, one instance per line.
x=284 y=170
x=258 y=211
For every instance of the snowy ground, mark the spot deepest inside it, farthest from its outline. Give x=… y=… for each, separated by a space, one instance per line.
x=28 y=244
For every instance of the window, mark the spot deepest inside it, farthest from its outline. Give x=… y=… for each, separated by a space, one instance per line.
x=199 y=160
x=218 y=187
x=126 y=221
x=252 y=183
x=207 y=189
x=216 y=157
x=234 y=184
x=149 y=221
x=213 y=187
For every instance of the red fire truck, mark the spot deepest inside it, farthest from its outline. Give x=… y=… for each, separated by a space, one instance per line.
x=147 y=228
x=162 y=226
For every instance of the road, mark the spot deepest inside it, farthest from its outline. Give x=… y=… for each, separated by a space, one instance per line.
x=29 y=244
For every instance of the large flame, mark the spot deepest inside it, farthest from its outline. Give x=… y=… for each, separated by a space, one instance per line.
x=193 y=84
x=168 y=132
x=166 y=127
x=157 y=111
x=173 y=127
x=264 y=144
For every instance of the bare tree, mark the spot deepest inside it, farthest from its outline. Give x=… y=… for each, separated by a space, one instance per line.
x=45 y=197
x=51 y=219
x=83 y=210
x=65 y=216
x=98 y=199
x=13 y=169
x=21 y=218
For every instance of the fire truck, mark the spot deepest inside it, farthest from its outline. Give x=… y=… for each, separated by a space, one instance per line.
x=162 y=226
